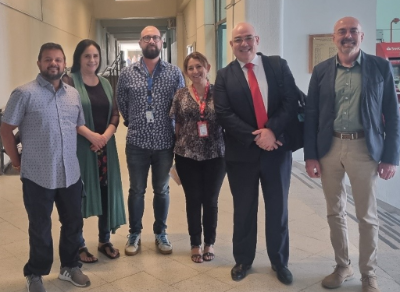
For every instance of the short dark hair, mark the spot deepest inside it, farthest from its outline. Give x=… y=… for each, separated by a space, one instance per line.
x=80 y=48
x=197 y=56
x=50 y=46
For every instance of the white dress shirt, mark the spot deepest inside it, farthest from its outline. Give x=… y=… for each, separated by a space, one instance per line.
x=258 y=69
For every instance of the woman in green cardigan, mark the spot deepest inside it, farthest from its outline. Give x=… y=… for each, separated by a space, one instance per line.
x=97 y=152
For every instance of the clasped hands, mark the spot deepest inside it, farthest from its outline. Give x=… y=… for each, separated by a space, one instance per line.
x=265 y=139
x=98 y=141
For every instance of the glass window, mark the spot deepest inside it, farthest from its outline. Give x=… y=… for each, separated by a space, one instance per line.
x=220 y=33
x=220 y=12
x=221 y=46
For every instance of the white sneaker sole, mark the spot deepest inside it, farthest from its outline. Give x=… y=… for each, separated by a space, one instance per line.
x=163 y=251
x=132 y=253
x=66 y=278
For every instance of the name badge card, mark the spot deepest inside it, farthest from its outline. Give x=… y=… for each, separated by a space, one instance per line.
x=202 y=129
x=149 y=116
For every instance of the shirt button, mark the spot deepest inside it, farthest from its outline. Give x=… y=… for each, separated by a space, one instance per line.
x=344 y=112
x=347 y=83
x=346 y=98
x=344 y=128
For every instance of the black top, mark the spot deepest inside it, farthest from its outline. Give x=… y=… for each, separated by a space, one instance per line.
x=100 y=106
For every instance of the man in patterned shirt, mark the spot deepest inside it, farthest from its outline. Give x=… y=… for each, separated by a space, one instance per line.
x=144 y=96
x=47 y=113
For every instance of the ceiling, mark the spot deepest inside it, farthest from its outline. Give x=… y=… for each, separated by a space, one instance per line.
x=129 y=29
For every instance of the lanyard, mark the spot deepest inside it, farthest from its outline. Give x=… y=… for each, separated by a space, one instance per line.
x=149 y=81
x=202 y=103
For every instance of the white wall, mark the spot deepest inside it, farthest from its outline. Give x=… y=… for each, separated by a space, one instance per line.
x=267 y=18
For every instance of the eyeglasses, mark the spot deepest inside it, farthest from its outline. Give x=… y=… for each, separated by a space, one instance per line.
x=343 y=32
x=247 y=39
x=147 y=38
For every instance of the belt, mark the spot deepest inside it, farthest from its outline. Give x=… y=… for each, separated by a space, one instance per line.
x=349 y=136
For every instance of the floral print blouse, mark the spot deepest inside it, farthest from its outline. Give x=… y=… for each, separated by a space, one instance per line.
x=186 y=112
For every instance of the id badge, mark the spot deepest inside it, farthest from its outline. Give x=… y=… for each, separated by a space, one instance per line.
x=202 y=129
x=149 y=116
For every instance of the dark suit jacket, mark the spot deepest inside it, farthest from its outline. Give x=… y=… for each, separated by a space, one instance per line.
x=379 y=110
x=235 y=111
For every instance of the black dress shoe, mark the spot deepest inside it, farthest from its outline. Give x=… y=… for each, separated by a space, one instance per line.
x=284 y=275
x=239 y=271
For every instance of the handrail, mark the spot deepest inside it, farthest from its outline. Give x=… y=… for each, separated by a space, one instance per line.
x=115 y=66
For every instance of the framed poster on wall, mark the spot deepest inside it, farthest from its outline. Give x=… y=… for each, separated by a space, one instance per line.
x=320 y=48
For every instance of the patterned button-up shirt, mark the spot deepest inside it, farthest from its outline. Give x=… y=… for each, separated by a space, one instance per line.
x=132 y=99
x=47 y=122
x=186 y=112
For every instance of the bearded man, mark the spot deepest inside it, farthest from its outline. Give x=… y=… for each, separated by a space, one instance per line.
x=144 y=95
x=48 y=113
x=352 y=127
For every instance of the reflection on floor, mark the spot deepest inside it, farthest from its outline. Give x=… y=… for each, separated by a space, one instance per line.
x=311 y=255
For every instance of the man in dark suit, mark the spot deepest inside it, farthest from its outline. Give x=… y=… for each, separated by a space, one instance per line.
x=256 y=149
x=352 y=127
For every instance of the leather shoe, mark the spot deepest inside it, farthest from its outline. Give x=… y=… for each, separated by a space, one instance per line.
x=239 y=271
x=284 y=275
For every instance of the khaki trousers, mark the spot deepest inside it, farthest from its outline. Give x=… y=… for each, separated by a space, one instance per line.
x=351 y=157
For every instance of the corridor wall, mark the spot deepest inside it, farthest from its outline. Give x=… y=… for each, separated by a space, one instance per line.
x=22 y=33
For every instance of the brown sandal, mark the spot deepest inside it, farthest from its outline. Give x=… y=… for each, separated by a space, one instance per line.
x=103 y=250
x=88 y=255
x=197 y=257
x=208 y=256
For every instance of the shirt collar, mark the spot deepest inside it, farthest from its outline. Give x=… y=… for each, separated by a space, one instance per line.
x=138 y=64
x=256 y=61
x=44 y=83
x=357 y=61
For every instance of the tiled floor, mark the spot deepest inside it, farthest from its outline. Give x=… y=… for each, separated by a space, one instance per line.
x=311 y=255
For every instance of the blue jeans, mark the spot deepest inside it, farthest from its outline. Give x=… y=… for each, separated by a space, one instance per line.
x=139 y=161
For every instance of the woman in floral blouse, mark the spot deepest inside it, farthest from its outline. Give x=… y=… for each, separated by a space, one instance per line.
x=199 y=151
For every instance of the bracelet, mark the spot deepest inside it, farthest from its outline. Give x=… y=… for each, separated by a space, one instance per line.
x=16 y=167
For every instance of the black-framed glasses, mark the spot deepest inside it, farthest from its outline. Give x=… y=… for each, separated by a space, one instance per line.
x=147 y=38
x=352 y=31
x=247 y=39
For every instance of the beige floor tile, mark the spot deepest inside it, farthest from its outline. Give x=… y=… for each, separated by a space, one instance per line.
x=142 y=282
x=9 y=233
x=201 y=283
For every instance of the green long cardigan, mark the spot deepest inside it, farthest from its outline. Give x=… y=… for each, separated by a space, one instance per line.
x=91 y=204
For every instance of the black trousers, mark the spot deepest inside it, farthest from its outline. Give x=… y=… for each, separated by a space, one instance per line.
x=39 y=203
x=273 y=170
x=201 y=181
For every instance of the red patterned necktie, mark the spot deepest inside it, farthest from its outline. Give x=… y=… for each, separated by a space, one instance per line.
x=258 y=102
